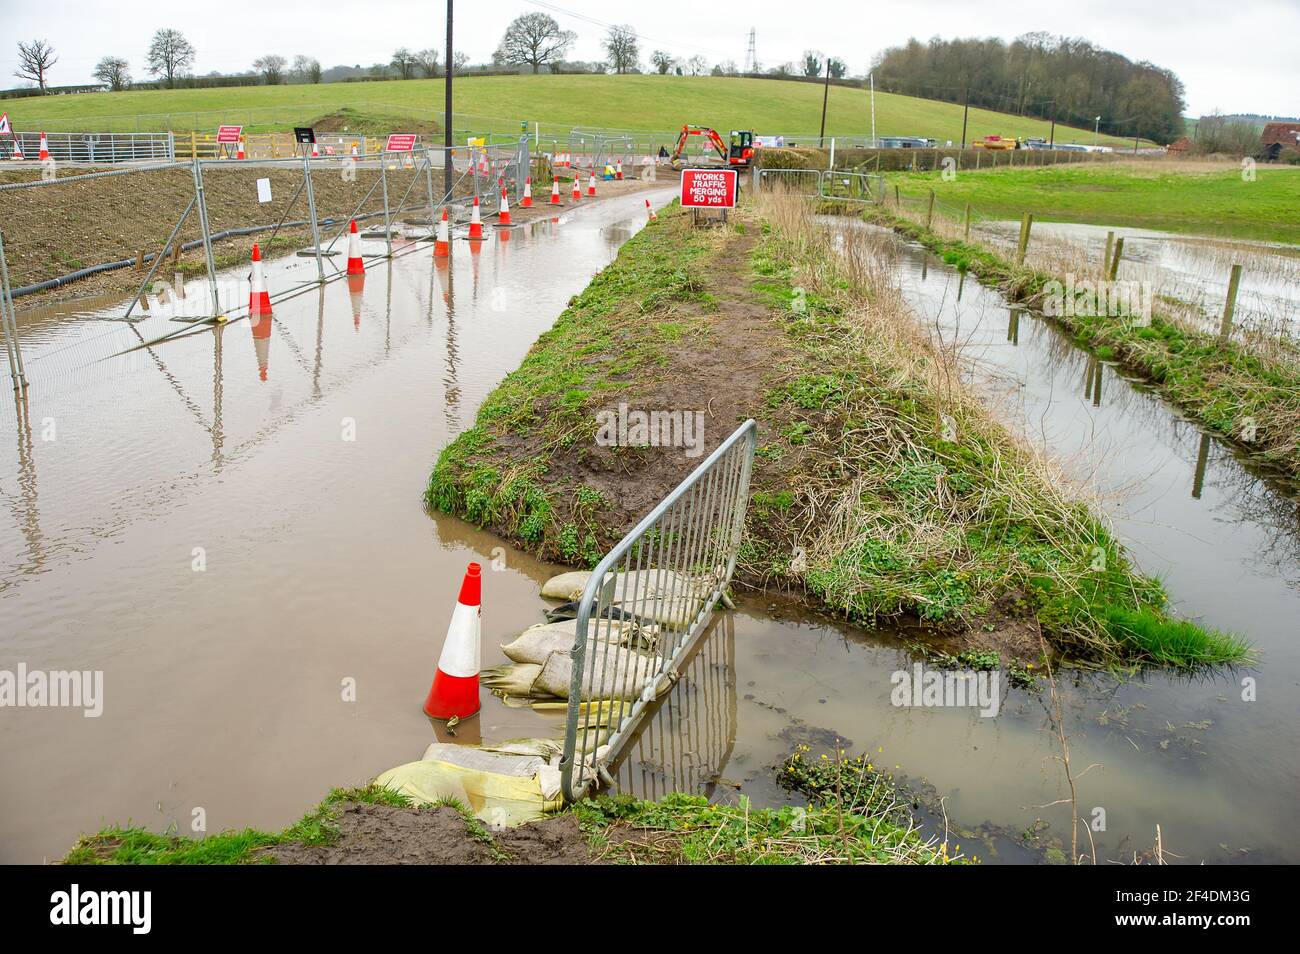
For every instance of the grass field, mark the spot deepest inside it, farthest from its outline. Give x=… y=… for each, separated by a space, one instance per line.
x=499 y=103
x=1198 y=199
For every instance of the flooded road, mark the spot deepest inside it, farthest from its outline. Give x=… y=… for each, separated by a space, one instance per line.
x=227 y=688
x=224 y=686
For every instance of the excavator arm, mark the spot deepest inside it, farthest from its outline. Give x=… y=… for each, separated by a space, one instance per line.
x=684 y=138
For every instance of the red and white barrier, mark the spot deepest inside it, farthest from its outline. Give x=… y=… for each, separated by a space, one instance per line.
x=454 y=693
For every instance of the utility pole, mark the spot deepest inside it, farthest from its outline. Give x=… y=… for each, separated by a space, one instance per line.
x=446 y=115
x=826 y=91
x=965 y=114
x=875 y=143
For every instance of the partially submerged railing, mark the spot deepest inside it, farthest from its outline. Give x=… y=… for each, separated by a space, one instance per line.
x=823 y=184
x=646 y=603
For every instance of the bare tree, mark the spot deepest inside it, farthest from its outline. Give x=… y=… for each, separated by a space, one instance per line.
x=812 y=63
x=534 y=39
x=404 y=62
x=114 y=72
x=623 y=49
x=460 y=60
x=34 y=61
x=306 y=69
x=427 y=61
x=661 y=61
x=697 y=65
x=170 y=54
x=271 y=67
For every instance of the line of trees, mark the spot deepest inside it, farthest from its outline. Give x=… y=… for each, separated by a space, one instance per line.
x=1041 y=75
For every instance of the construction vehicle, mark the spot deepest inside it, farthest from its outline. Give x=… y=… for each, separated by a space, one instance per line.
x=996 y=143
x=737 y=154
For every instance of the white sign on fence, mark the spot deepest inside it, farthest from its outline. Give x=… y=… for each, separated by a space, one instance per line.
x=264 y=190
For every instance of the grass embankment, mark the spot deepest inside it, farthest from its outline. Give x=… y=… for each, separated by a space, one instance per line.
x=853 y=817
x=1241 y=393
x=881 y=487
x=1161 y=196
x=499 y=103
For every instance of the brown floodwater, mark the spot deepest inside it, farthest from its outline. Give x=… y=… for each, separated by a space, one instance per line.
x=226 y=689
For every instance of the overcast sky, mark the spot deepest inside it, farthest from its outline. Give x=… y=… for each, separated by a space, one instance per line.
x=1238 y=56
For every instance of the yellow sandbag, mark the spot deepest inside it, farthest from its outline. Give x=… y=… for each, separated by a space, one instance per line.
x=500 y=789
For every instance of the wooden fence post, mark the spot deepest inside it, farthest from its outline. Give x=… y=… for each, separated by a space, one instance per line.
x=1119 y=253
x=967 y=236
x=929 y=212
x=1110 y=247
x=1229 y=305
x=1026 y=223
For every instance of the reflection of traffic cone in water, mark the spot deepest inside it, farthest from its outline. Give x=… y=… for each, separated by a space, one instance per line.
x=649 y=211
x=259 y=300
x=555 y=192
x=262 y=343
x=443 y=267
x=356 y=285
x=503 y=217
x=527 y=201
x=504 y=236
x=355 y=265
x=591 y=184
x=45 y=149
x=442 y=244
x=475 y=222
x=454 y=692
x=577 y=189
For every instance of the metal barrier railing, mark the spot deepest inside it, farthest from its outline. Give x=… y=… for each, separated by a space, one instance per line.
x=645 y=605
x=824 y=184
x=94 y=148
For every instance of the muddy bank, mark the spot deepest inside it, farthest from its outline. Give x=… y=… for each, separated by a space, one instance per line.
x=881 y=490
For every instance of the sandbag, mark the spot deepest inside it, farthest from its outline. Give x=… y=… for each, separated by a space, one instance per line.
x=511 y=679
x=609 y=672
x=663 y=596
x=534 y=644
x=498 y=788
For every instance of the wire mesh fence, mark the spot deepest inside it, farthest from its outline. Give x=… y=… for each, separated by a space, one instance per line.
x=646 y=603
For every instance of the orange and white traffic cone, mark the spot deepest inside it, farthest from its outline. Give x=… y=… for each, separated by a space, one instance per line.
x=18 y=147
x=591 y=184
x=315 y=151
x=475 y=223
x=355 y=265
x=45 y=149
x=649 y=211
x=239 y=151
x=577 y=189
x=618 y=169
x=442 y=244
x=454 y=693
x=555 y=190
x=503 y=216
x=259 y=300
x=527 y=201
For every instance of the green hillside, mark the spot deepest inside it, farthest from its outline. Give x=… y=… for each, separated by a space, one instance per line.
x=499 y=103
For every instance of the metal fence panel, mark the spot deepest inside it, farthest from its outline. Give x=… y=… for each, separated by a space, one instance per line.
x=645 y=605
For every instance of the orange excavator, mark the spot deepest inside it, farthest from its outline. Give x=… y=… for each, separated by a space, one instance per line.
x=737 y=154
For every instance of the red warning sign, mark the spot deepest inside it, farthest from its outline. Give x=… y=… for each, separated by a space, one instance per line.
x=709 y=188
x=229 y=134
x=400 y=142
